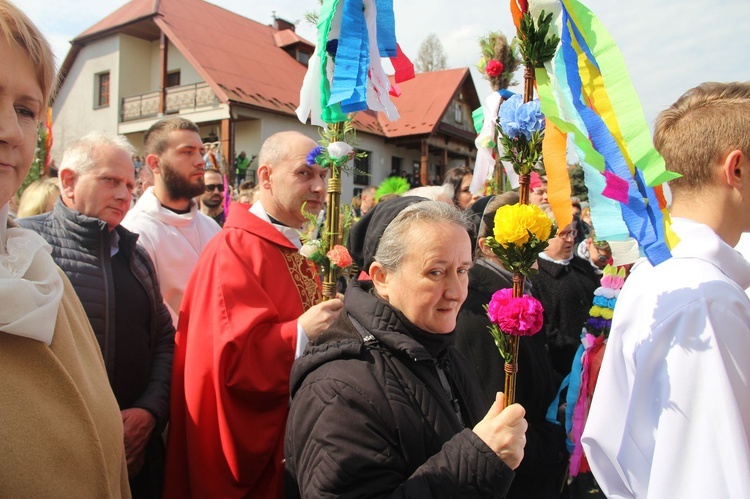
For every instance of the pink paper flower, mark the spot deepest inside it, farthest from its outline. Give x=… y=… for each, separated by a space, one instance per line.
x=494 y=68
x=520 y=316
x=339 y=257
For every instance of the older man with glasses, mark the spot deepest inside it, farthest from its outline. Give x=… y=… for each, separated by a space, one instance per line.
x=565 y=285
x=212 y=201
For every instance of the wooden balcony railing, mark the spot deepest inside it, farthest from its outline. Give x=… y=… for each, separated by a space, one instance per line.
x=182 y=98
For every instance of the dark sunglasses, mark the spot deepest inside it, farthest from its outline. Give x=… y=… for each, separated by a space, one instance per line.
x=214 y=187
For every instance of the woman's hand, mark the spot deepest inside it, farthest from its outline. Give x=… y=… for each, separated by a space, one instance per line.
x=504 y=431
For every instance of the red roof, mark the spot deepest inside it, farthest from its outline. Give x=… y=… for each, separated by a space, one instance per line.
x=423 y=101
x=245 y=62
x=131 y=11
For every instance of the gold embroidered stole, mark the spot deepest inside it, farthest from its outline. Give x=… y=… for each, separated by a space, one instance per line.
x=304 y=276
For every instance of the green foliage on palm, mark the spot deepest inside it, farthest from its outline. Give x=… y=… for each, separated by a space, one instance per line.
x=40 y=157
x=535 y=45
x=577 y=184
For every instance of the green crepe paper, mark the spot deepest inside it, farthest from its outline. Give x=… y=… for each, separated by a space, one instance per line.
x=549 y=108
x=622 y=95
x=329 y=114
x=478 y=117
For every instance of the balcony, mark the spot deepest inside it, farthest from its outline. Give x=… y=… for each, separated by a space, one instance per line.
x=182 y=98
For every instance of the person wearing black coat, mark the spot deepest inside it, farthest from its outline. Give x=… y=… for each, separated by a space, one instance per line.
x=382 y=403
x=565 y=285
x=541 y=473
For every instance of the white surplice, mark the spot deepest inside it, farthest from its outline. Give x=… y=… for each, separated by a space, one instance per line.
x=671 y=412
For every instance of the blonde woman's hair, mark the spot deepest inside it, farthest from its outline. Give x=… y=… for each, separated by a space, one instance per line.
x=21 y=32
x=37 y=197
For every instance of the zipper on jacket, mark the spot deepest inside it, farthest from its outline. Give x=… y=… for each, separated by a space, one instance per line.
x=442 y=366
x=105 y=250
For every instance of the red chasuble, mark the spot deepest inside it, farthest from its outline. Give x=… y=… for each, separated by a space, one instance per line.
x=234 y=350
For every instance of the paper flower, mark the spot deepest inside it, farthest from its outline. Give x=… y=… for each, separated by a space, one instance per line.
x=310 y=248
x=339 y=150
x=520 y=118
x=521 y=316
x=482 y=64
x=339 y=257
x=494 y=68
x=312 y=156
x=515 y=223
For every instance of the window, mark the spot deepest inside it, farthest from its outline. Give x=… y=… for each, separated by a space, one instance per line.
x=303 y=57
x=102 y=90
x=458 y=112
x=362 y=169
x=173 y=79
x=396 y=165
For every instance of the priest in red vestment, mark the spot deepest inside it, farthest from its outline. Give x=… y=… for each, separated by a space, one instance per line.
x=249 y=309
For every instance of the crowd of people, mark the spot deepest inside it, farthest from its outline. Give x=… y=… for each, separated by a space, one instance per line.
x=155 y=343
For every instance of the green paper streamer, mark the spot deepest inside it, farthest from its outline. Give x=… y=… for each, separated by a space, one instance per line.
x=329 y=114
x=622 y=95
x=478 y=117
x=549 y=108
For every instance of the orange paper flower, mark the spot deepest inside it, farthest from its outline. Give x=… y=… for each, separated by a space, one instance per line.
x=339 y=257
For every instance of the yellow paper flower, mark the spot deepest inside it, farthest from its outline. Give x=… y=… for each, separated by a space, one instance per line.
x=514 y=222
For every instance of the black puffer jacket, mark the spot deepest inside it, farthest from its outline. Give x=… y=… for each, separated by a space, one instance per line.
x=371 y=418
x=81 y=247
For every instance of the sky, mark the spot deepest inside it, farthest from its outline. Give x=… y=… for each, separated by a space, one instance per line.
x=669 y=46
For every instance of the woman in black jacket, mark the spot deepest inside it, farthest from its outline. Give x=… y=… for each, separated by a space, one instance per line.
x=542 y=470
x=382 y=404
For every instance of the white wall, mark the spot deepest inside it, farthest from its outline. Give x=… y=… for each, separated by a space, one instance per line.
x=73 y=112
x=175 y=60
x=135 y=67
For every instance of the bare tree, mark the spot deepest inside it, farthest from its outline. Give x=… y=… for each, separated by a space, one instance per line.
x=431 y=56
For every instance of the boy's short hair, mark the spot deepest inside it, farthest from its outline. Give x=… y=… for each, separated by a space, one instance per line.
x=704 y=124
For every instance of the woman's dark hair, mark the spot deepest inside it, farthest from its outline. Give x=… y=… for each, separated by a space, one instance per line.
x=454 y=177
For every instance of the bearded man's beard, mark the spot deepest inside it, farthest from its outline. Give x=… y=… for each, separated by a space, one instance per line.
x=178 y=187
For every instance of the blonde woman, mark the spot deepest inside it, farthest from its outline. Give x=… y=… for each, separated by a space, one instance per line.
x=39 y=197
x=60 y=427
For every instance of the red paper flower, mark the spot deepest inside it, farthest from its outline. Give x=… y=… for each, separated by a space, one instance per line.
x=494 y=68
x=520 y=316
x=339 y=257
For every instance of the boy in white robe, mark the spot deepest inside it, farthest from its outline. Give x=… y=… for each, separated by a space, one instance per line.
x=671 y=412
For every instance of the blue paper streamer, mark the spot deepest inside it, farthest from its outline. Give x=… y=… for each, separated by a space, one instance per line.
x=635 y=213
x=386 y=22
x=352 y=60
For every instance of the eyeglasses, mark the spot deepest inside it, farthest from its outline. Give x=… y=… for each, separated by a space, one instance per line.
x=214 y=187
x=568 y=234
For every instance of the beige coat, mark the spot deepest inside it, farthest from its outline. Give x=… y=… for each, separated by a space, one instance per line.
x=60 y=426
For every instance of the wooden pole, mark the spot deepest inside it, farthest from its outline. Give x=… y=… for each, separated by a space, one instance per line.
x=511 y=370
x=163 y=60
x=332 y=222
x=424 y=162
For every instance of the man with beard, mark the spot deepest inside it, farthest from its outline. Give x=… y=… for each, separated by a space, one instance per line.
x=172 y=229
x=249 y=309
x=212 y=200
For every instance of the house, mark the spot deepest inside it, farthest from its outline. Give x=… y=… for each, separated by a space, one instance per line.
x=239 y=80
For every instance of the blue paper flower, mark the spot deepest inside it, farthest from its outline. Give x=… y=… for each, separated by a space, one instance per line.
x=518 y=118
x=312 y=156
x=601 y=301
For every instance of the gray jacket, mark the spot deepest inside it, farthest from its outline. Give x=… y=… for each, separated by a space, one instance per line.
x=81 y=246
